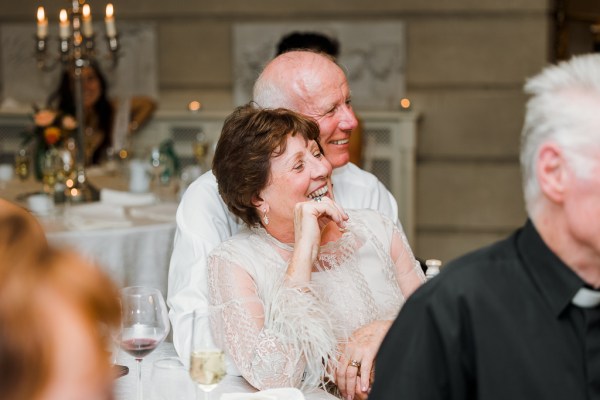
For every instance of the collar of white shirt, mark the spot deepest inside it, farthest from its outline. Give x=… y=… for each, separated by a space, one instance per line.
x=586 y=298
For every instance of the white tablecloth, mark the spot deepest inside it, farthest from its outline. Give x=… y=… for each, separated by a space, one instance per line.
x=181 y=387
x=132 y=243
x=135 y=253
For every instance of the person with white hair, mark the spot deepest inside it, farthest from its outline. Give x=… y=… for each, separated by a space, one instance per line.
x=519 y=319
x=311 y=84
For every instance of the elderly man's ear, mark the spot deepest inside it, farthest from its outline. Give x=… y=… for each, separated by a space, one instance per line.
x=553 y=172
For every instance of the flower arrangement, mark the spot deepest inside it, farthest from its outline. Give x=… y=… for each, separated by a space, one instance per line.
x=51 y=130
x=52 y=127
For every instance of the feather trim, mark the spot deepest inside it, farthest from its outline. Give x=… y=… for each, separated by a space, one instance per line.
x=297 y=314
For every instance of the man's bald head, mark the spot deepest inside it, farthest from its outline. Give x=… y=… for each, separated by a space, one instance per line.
x=314 y=85
x=289 y=78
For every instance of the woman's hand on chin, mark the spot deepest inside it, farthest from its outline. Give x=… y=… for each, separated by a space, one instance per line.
x=310 y=217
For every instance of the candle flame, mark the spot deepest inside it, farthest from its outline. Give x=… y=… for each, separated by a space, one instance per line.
x=63 y=15
x=41 y=15
x=86 y=11
x=109 y=10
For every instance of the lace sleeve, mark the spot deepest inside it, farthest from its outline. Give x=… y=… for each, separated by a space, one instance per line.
x=408 y=270
x=277 y=336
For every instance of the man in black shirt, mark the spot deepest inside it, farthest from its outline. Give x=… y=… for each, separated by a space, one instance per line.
x=519 y=319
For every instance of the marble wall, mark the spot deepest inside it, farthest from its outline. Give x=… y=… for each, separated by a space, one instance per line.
x=466 y=64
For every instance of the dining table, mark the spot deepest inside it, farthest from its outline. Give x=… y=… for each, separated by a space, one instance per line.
x=158 y=384
x=129 y=235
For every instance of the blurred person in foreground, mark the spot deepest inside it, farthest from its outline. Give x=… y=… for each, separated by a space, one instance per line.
x=55 y=315
x=305 y=277
x=303 y=81
x=519 y=319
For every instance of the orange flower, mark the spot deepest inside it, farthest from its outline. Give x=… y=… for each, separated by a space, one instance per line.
x=44 y=117
x=51 y=135
x=69 y=123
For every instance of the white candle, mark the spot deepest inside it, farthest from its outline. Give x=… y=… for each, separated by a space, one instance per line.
x=88 y=30
x=64 y=28
x=111 y=30
x=42 y=23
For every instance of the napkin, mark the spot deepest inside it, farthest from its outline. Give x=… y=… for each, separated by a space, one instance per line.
x=164 y=212
x=118 y=197
x=269 y=394
x=96 y=216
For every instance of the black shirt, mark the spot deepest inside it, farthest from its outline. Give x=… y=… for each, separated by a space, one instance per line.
x=495 y=324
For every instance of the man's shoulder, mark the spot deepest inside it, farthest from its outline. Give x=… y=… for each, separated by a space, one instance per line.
x=496 y=265
x=486 y=260
x=204 y=189
x=353 y=175
x=202 y=209
x=356 y=188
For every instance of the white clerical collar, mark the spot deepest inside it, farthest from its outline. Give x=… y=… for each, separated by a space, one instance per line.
x=586 y=298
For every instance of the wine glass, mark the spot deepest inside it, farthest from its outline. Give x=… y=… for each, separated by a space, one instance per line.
x=145 y=324
x=201 y=147
x=207 y=361
x=51 y=165
x=22 y=164
x=158 y=163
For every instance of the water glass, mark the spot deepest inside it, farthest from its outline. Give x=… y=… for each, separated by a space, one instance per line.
x=170 y=380
x=6 y=174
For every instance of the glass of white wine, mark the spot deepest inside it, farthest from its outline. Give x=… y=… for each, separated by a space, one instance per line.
x=207 y=361
x=23 y=163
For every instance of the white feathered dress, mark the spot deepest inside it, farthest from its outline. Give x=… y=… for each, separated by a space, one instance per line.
x=279 y=335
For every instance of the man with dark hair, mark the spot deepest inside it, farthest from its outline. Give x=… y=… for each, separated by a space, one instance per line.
x=308 y=41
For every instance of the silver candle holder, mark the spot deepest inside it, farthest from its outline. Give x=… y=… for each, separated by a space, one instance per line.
x=76 y=50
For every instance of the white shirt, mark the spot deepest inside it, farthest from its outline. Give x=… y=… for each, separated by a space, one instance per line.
x=203 y=222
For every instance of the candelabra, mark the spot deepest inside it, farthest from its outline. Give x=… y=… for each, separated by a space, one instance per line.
x=76 y=50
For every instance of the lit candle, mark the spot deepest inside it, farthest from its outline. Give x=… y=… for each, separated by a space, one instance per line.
x=111 y=30
x=64 y=28
x=42 y=23
x=88 y=31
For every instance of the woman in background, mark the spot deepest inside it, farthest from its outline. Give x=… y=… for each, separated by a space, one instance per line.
x=100 y=112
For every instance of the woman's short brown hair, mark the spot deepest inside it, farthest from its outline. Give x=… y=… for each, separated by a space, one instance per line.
x=250 y=138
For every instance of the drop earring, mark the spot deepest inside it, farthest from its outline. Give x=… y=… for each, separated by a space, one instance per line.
x=265 y=216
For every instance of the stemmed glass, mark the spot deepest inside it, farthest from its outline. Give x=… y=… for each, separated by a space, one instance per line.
x=200 y=147
x=51 y=165
x=22 y=163
x=158 y=163
x=207 y=361
x=145 y=324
